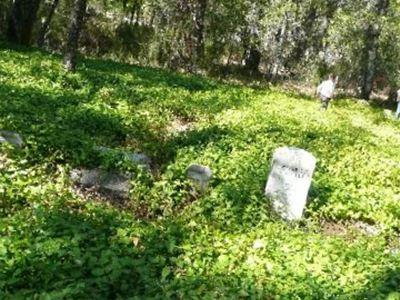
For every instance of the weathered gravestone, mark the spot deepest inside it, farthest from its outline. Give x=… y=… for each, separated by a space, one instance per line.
x=139 y=159
x=134 y=157
x=201 y=175
x=367 y=229
x=113 y=184
x=289 y=181
x=363 y=102
x=388 y=114
x=11 y=137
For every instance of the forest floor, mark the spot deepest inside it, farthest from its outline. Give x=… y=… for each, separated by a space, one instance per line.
x=165 y=242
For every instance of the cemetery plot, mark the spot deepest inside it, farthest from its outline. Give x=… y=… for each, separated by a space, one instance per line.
x=200 y=223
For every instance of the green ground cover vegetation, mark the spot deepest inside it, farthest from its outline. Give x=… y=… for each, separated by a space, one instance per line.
x=165 y=242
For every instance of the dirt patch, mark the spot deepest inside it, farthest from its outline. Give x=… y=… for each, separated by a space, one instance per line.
x=95 y=195
x=180 y=125
x=349 y=229
x=334 y=229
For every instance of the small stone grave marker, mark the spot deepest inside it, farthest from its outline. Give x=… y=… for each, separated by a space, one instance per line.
x=363 y=102
x=11 y=137
x=135 y=157
x=388 y=114
x=201 y=175
x=367 y=229
x=289 y=181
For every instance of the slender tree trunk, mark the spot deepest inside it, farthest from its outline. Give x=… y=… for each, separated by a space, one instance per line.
x=392 y=93
x=370 y=53
x=251 y=55
x=277 y=58
x=369 y=57
x=302 y=44
x=22 y=18
x=153 y=15
x=252 y=60
x=138 y=13
x=76 y=23
x=199 y=19
x=132 y=14
x=46 y=24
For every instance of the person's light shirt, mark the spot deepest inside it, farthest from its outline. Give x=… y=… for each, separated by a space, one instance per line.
x=326 y=88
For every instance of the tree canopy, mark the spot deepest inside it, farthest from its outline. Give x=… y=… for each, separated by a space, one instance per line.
x=302 y=39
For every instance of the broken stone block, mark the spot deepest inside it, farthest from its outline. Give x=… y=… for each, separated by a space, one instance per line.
x=388 y=114
x=289 y=181
x=112 y=183
x=363 y=102
x=136 y=158
x=139 y=159
x=11 y=137
x=201 y=175
x=367 y=229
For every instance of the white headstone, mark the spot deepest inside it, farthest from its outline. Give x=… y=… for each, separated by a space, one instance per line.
x=289 y=181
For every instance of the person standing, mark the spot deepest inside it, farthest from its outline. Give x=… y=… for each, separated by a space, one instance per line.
x=325 y=91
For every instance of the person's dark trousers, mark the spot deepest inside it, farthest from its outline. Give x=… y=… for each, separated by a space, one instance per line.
x=324 y=102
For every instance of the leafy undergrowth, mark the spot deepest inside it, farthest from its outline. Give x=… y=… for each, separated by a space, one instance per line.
x=165 y=243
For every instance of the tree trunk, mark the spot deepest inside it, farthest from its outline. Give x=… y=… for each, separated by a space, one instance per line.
x=199 y=18
x=46 y=24
x=138 y=13
x=370 y=53
x=392 y=93
x=252 y=60
x=132 y=14
x=280 y=39
x=76 y=23
x=22 y=18
x=369 y=57
x=302 y=43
